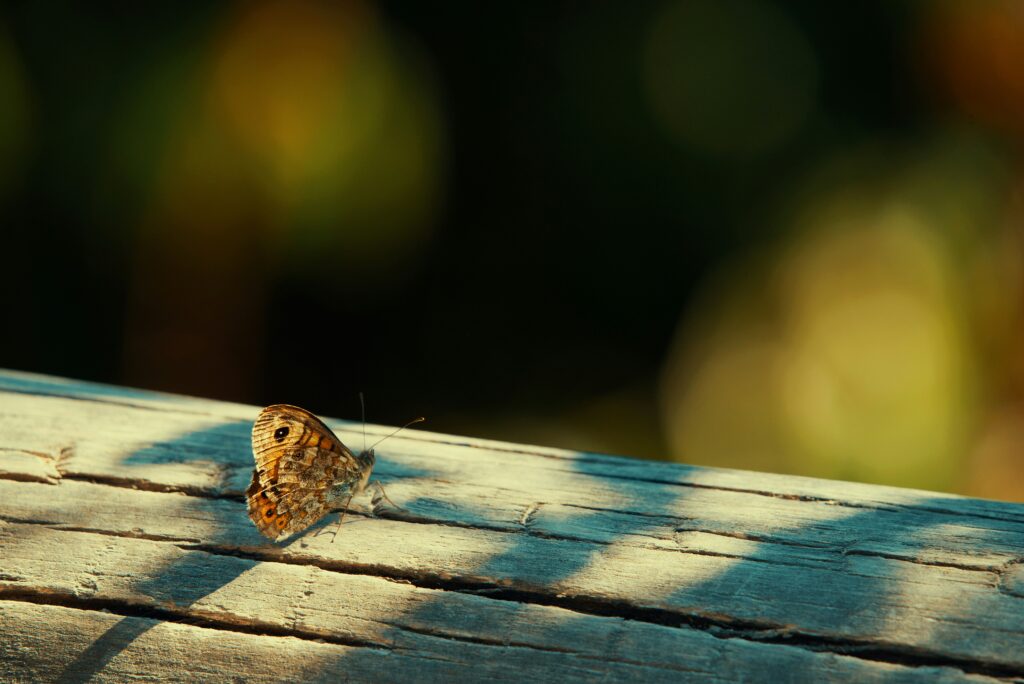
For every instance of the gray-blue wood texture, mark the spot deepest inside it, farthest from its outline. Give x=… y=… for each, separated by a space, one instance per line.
x=126 y=554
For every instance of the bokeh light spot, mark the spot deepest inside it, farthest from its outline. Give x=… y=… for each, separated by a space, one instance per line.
x=850 y=350
x=974 y=53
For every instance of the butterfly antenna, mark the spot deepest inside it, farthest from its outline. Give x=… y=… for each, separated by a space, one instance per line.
x=362 y=407
x=411 y=422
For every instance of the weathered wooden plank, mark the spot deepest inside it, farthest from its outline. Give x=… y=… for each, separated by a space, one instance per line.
x=503 y=544
x=366 y=610
x=458 y=482
x=192 y=434
x=44 y=643
x=865 y=600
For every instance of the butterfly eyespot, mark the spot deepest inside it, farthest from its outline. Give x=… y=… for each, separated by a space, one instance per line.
x=281 y=522
x=280 y=433
x=269 y=513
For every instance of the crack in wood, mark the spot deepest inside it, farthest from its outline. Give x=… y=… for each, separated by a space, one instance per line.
x=892 y=508
x=756 y=492
x=669 y=519
x=349 y=425
x=758 y=538
x=1001 y=574
x=126 y=534
x=49 y=458
x=919 y=561
x=605 y=658
x=50 y=474
x=148 y=486
x=599 y=459
x=27 y=521
x=717 y=624
x=532 y=532
x=516 y=529
x=27 y=477
x=231 y=495
x=576 y=458
x=784 y=622
x=179 y=616
x=838 y=551
x=223 y=622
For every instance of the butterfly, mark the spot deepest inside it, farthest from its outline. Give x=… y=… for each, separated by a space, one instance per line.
x=303 y=471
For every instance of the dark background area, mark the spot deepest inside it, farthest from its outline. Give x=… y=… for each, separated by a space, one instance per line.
x=578 y=224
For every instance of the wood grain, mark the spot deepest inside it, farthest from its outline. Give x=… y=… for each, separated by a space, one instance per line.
x=127 y=552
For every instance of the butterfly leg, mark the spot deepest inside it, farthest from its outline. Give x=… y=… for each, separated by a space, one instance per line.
x=380 y=493
x=342 y=520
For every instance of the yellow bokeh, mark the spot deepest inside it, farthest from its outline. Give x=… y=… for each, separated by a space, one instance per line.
x=312 y=125
x=854 y=349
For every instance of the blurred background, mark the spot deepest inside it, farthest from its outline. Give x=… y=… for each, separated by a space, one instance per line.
x=786 y=236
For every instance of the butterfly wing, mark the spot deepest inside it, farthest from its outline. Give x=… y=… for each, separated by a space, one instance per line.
x=302 y=470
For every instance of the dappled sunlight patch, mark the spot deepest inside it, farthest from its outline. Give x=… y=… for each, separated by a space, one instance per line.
x=951 y=607
x=396 y=545
x=484 y=487
x=623 y=571
x=124 y=511
x=970 y=546
x=591 y=561
x=697 y=541
x=196 y=456
x=89 y=565
x=128 y=445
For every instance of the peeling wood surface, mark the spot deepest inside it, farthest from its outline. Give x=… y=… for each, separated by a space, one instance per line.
x=126 y=553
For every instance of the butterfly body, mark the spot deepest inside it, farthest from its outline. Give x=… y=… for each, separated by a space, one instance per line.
x=303 y=471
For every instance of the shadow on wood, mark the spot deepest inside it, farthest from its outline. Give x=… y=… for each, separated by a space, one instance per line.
x=508 y=562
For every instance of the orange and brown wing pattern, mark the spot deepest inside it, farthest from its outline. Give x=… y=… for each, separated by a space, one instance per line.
x=301 y=469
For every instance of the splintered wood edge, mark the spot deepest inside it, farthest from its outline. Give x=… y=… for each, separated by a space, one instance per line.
x=589 y=608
